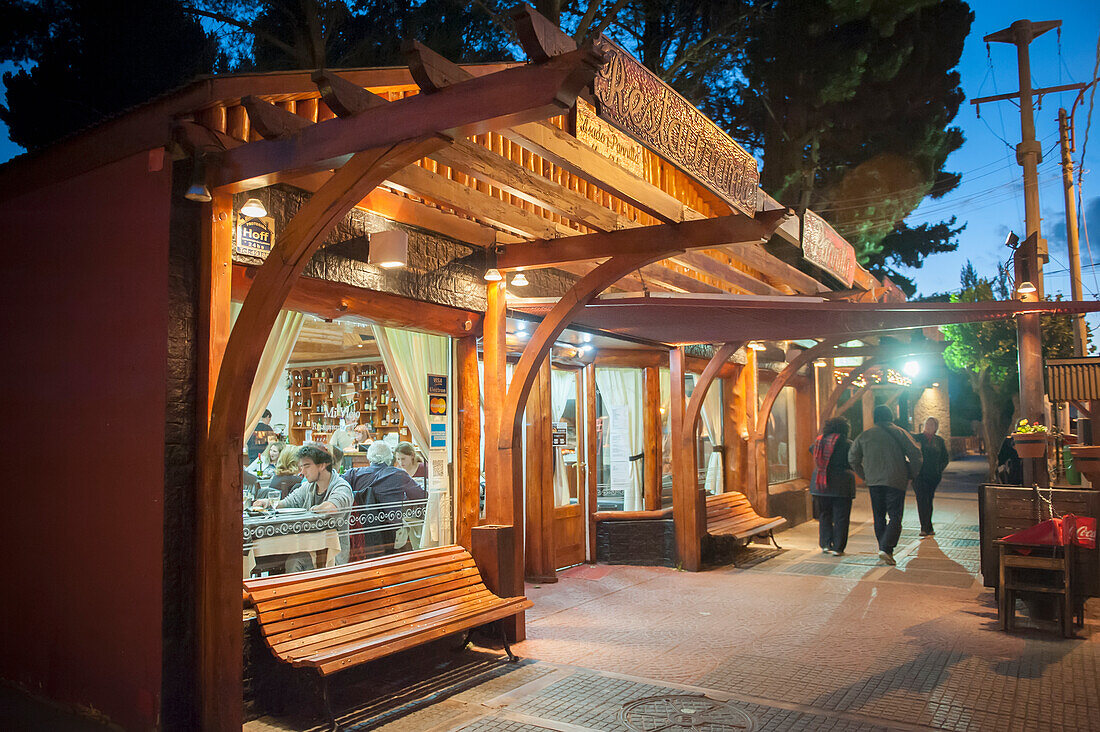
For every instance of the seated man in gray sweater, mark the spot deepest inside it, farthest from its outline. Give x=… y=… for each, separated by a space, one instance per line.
x=878 y=456
x=321 y=491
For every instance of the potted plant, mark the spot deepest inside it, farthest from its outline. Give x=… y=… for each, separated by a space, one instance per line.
x=1030 y=439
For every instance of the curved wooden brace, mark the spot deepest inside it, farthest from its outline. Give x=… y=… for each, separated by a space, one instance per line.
x=785 y=375
x=695 y=404
x=834 y=397
x=220 y=468
x=558 y=319
x=843 y=408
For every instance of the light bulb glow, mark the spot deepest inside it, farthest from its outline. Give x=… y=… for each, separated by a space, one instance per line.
x=254 y=208
x=493 y=275
x=520 y=280
x=911 y=368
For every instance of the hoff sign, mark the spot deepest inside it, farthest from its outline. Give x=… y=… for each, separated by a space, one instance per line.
x=255 y=236
x=633 y=99
x=821 y=245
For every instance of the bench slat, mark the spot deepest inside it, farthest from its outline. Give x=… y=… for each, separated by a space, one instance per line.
x=417 y=636
x=333 y=574
x=289 y=607
x=438 y=614
x=378 y=598
x=731 y=514
x=363 y=625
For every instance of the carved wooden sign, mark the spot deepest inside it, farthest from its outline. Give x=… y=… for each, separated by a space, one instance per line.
x=633 y=99
x=821 y=245
x=620 y=149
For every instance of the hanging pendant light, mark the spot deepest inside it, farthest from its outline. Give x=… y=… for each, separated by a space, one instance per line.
x=520 y=280
x=493 y=275
x=389 y=249
x=254 y=208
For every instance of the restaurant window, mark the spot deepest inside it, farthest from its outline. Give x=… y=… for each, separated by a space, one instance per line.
x=665 y=383
x=376 y=399
x=620 y=399
x=782 y=437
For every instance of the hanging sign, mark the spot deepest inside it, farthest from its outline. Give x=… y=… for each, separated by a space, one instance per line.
x=254 y=236
x=821 y=245
x=607 y=141
x=634 y=99
x=619 y=447
x=559 y=433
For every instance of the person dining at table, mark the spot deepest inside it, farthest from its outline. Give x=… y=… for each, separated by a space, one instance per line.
x=286 y=473
x=322 y=491
x=381 y=491
x=264 y=464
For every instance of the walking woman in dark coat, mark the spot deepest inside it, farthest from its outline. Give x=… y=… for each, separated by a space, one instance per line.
x=833 y=485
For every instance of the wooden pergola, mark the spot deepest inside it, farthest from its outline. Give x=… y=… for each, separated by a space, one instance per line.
x=480 y=155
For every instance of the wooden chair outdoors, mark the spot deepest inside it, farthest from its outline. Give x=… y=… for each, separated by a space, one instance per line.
x=731 y=514
x=1046 y=570
x=332 y=619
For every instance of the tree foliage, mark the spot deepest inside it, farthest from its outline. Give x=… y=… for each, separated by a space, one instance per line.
x=986 y=352
x=83 y=60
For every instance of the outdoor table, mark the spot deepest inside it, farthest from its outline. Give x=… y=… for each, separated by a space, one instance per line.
x=289 y=531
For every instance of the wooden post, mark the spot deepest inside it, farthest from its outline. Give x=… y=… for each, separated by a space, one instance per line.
x=754 y=454
x=684 y=472
x=733 y=478
x=651 y=484
x=215 y=288
x=469 y=438
x=539 y=554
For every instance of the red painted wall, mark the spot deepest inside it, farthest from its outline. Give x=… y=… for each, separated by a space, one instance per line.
x=83 y=292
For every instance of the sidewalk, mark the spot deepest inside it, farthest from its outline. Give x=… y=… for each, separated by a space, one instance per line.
x=787 y=640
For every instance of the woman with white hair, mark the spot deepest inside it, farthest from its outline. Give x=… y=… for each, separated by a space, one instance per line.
x=381 y=491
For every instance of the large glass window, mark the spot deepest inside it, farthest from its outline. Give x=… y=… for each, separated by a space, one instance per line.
x=564 y=397
x=708 y=437
x=620 y=435
x=782 y=437
x=375 y=401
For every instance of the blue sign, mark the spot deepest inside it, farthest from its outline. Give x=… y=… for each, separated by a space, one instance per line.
x=255 y=237
x=438 y=435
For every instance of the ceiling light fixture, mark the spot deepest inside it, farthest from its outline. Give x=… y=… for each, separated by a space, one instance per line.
x=389 y=249
x=493 y=275
x=196 y=189
x=520 y=280
x=254 y=208
x=1026 y=288
x=757 y=346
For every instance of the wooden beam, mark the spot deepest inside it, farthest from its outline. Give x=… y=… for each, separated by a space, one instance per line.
x=785 y=376
x=666 y=238
x=568 y=153
x=630 y=358
x=215 y=294
x=220 y=469
x=423 y=182
x=755 y=256
x=651 y=426
x=271 y=122
x=590 y=454
x=677 y=281
x=468 y=407
x=512 y=96
x=332 y=300
x=407 y=211
x=829 y=409
x=704 y=262
x=541 y=38
x=343 y=97
x=702 y=384
x=485 y=165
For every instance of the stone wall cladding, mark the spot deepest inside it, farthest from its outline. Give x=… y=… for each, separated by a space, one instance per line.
x=648 y=542
x=440 y=270
x=180 y=450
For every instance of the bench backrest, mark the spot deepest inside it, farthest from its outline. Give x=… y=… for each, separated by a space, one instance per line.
x=308 y=608
x=724 y=504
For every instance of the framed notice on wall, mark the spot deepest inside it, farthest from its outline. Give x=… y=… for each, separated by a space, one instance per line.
x=254 y=237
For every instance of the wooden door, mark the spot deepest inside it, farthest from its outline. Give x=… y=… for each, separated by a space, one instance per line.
x=568 y=421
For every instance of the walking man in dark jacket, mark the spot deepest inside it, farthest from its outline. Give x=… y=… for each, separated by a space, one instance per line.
x=934 y=460
x=878 y=456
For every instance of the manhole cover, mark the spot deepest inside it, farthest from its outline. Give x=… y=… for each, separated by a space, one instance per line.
x=684 y=712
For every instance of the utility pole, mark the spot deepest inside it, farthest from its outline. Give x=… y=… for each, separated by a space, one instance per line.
x=1032 y=254
x=1065 y=136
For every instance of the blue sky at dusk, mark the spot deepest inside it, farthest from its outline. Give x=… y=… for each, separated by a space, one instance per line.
x=990 y=198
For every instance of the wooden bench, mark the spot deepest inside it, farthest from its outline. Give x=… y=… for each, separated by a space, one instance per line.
x=731 y=514
x=335 y=618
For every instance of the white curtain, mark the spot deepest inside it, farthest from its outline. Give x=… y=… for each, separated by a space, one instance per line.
x=624 y=398
x=711 y=416
x=409 y=357
x=277 y=350
x=563 y=387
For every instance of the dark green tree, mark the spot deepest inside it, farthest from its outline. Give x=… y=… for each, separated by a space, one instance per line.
x=986 y=352
x=850 y=105
x=84 y=60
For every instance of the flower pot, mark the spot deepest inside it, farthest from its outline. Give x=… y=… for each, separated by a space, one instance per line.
x=1030 y=444
x=1087 y=460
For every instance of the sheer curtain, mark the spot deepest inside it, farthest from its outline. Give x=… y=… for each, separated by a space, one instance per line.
x=409 y=357
x=277 y=350
x=711 y=415
x=624 y=394
x=563 y=387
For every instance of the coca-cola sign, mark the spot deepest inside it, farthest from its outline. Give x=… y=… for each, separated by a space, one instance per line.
x=1081 y=530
